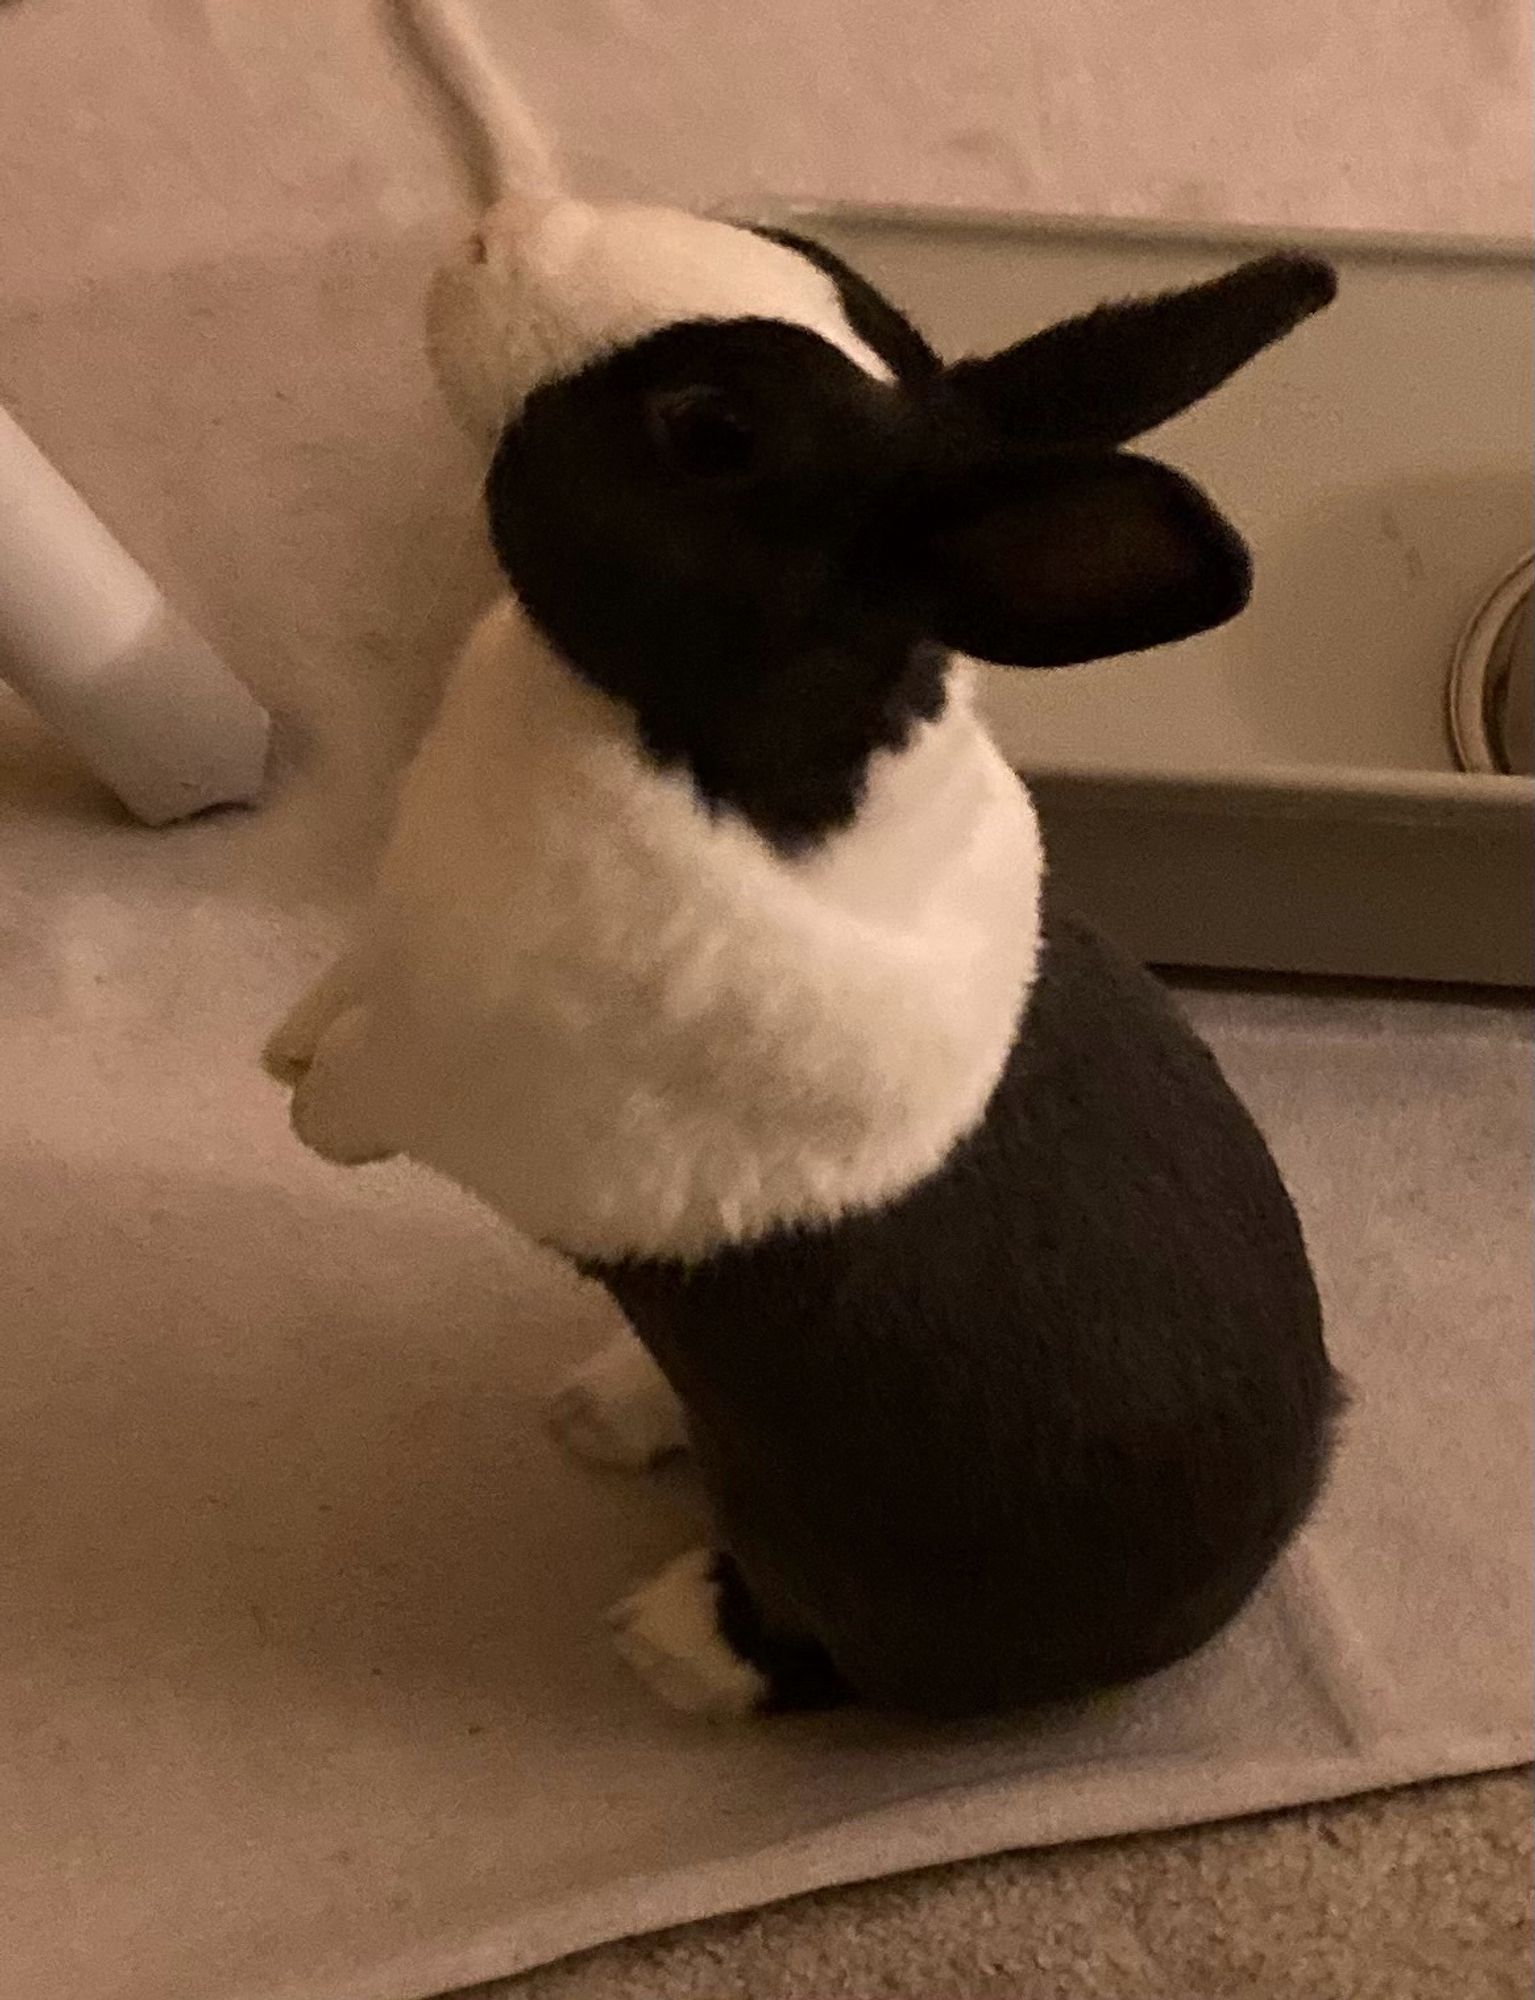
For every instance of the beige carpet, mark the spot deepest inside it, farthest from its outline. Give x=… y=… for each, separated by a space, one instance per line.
x=304 y=1687
x=1419 y=1895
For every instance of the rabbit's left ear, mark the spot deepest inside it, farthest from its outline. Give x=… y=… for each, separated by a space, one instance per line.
x=1080 y=558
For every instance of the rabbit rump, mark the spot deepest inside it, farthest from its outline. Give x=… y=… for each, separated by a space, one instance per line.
x=713 y=947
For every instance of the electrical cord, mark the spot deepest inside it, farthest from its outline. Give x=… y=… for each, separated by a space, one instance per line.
x=506 y=153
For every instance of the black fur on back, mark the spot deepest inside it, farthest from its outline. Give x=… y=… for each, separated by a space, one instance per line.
x=1041 y=1425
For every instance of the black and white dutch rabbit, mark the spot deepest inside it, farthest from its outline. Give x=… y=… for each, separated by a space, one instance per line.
x=714 y=947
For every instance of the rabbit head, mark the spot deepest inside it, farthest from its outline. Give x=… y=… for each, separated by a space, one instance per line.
x=741 y=494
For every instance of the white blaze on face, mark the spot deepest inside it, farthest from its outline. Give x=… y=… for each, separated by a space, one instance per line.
x=540 y=292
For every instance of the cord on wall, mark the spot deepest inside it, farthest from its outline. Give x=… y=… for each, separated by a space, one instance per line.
x=507 y=155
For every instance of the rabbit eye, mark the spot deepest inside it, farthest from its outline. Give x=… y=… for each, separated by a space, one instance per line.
x=702 y=433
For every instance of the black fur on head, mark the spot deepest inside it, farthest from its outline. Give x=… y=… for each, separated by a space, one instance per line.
x=767 y=552
x=695 y=522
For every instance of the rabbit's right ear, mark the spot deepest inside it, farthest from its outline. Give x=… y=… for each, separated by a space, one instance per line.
x=1051 y=545
x=1054 y=562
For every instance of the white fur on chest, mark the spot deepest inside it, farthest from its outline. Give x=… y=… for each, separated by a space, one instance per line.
x=630 y=1025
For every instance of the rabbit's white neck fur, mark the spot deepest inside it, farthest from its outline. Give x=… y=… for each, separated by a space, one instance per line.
x=633 y=1027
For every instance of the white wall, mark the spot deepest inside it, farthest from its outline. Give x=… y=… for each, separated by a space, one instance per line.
x=144 y=134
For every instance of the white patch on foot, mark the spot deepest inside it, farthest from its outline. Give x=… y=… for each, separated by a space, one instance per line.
x=619 y=1409
x=669 y=1633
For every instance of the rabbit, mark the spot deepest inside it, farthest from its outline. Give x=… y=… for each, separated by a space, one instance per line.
x=714 y=947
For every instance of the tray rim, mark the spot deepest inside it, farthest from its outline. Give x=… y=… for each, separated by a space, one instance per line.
x=1301 y=791
x=1048 y=225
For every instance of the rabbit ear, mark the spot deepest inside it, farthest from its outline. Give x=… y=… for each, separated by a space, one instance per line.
x=1079 y=559
x=1120 y=370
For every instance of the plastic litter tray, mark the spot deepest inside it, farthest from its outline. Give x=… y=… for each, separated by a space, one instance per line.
x=1283 y=794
